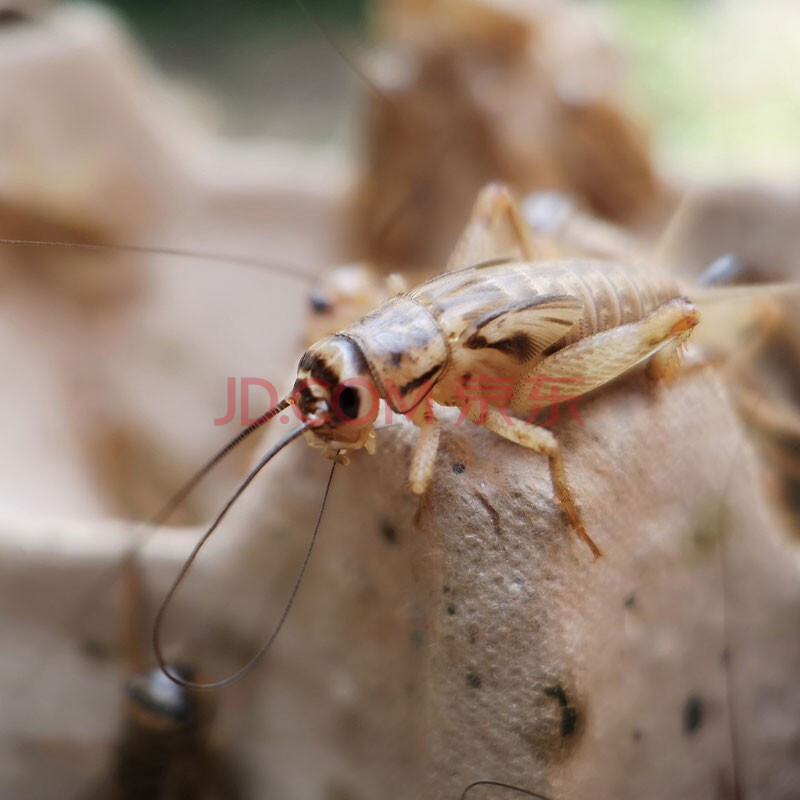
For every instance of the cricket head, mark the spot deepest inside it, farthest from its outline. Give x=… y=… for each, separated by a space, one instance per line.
x=335 y=391
x=156 y=703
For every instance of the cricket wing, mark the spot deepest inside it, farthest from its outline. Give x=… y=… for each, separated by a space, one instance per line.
x=524 y=330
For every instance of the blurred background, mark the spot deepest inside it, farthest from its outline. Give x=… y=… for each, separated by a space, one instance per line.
x=713 y=79
x=665 y=131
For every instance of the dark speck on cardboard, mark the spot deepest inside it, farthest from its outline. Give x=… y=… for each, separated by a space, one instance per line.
x=692 y=714
x=389 y=532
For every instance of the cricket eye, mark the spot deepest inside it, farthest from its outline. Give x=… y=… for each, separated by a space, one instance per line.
x=348 y=402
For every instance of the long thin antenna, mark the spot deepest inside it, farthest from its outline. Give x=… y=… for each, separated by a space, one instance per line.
x=246 y=261
x=663 y=249
x=727 y=655
x=370 y=84
x=106 y=581
x=435 y=151
x=290 y=437
x=501 y=785
x=172 y=504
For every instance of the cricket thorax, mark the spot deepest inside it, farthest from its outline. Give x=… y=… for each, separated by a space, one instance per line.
x=406 y=349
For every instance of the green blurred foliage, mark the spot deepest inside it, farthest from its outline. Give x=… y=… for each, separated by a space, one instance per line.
x=262 y=67
x=717 y=82
x=152 y=15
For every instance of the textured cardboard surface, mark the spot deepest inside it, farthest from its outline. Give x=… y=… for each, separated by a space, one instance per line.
x=482 y=641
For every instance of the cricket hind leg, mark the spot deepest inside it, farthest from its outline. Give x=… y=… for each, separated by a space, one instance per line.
x=495 y=228
x=751 y=322
x=594 y=361
x=665 y=363
x=542 y=441
x=585 y=365
x=581 y=367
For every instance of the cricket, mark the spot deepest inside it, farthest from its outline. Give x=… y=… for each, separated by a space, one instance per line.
x=546 y=551
x=165 y=746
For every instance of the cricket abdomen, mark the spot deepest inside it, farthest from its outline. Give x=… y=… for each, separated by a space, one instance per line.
x=612 y=294
x=616 y=294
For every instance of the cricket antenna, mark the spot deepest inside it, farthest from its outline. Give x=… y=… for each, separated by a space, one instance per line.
x=274 y=267
x=106 y=581
x=177 y=499
x=501 y=785
x=439 y=143
x=342 y=53
x=725 y=589
x=157 y=627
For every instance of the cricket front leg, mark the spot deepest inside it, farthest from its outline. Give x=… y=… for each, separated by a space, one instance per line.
x=424 y=458
x=542 y=441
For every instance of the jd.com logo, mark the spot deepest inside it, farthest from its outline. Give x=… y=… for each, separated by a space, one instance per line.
x=474 y=394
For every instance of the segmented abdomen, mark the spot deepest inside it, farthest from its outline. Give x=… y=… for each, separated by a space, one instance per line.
x=612 y=294
x=615 y=294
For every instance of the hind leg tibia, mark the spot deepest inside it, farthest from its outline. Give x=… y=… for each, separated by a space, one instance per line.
x=542 y=441
x=495 y=229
